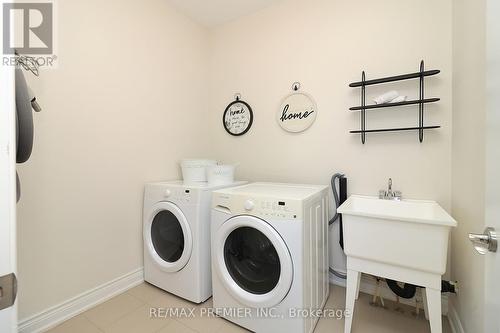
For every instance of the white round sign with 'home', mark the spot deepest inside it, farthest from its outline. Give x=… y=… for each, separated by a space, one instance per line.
x=297 y=112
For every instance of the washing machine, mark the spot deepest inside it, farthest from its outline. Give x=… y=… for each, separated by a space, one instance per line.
x=270 y=255
x=176 y=232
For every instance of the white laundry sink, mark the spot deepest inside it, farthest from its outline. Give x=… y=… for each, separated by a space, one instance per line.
x=403 y=240
x=407 y=233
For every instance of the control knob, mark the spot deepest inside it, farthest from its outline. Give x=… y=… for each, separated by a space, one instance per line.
x=249 y=205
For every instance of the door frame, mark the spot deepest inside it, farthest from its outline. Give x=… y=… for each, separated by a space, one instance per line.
x=492 y=140
x=8 y=250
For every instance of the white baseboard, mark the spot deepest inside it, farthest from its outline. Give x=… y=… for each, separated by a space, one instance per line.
x=369 y=285
x=55 y=315
x=454 y=320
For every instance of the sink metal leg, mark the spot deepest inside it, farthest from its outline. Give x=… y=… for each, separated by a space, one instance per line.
x=358 y=285
x=351 y=292
x=424 y=301
x=434 y=309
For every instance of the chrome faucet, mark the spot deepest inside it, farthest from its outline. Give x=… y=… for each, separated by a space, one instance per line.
x=389 y=194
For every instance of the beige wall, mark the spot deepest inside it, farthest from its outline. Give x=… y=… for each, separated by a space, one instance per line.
x=122 y=108
x=468 y=171
x=325 y=45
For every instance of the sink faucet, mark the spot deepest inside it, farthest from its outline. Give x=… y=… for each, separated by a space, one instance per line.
x=389 y=194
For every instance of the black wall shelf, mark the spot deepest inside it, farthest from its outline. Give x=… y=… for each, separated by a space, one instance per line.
x=420 y=101
x=388 y=105
x=395 y=78
x=395 y=129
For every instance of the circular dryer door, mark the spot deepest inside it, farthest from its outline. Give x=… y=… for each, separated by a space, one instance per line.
x=253 y=261
x=167 y=237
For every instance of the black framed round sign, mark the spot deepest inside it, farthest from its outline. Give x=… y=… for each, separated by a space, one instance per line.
x=237 y=118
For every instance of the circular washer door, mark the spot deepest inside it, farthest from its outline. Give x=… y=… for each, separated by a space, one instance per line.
x=253 y=261
x=167 y=236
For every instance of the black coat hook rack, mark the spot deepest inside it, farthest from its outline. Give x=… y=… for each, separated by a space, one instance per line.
x=421 y=101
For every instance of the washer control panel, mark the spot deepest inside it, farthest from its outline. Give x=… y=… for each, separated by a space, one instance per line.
x=258 y=206
x=276 y=208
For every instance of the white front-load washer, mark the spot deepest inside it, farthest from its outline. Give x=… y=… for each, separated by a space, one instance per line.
x=176 y=233
x=270 y=255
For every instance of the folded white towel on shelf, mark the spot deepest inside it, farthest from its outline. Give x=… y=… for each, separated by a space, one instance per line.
x=387 y=97
x=398 y=99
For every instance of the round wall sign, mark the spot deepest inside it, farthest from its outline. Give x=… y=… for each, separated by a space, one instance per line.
x=238 y=117
x=297 y=112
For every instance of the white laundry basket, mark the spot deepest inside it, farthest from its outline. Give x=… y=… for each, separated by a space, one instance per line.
x=194 y=170
x=221 y=174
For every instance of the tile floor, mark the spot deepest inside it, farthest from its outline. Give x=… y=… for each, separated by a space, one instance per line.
x=129 y=313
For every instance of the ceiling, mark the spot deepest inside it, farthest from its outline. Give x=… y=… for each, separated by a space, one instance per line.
x=211 y=13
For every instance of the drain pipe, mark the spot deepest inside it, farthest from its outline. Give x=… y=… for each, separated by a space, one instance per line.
x=343 y=195
x=407 y=290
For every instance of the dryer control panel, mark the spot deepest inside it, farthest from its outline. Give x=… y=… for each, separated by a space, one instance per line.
x=178 y=195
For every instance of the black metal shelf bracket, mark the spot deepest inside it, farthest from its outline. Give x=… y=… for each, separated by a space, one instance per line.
x=421 y=74
x=363 y=110
x=421 y=105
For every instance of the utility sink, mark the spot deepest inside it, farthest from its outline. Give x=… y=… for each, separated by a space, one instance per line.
x=407 y=233
x=402 y=240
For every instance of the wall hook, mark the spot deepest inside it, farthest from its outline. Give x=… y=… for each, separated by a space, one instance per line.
x=237 y=96
x=296 y=86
